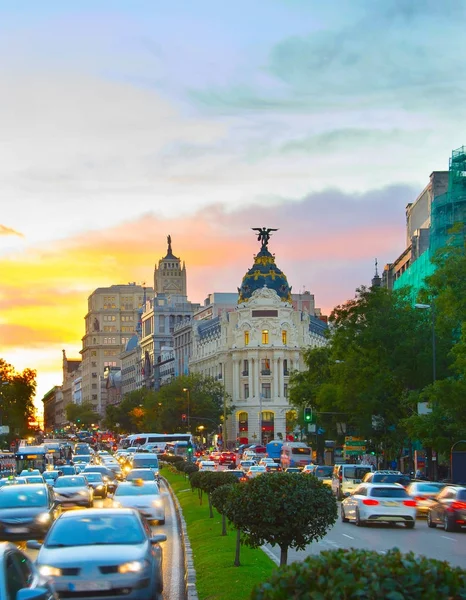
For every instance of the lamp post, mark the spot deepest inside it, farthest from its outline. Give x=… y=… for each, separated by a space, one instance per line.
x=188 y=411
x=433 y=461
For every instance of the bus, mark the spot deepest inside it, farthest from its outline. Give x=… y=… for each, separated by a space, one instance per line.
x=31 y=457
x=157 y=441
x=295 y=454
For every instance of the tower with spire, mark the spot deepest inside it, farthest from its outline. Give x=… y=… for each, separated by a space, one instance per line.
x=376 y=280
x=170 y=275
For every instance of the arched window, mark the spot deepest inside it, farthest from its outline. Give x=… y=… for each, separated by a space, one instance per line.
x=265 y=336
x=268 y=426
x=246 y=338
x=243 y=427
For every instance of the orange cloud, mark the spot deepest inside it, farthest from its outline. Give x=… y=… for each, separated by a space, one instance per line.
x=8 y=231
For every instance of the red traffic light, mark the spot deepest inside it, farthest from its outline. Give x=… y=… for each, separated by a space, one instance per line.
x=183 y=418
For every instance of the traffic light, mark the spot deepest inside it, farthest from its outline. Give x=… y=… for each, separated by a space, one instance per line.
x=308 y=414
x=183 y=418
x=190 y=449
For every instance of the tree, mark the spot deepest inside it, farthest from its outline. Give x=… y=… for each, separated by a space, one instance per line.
x=220 y=498
x=82 y=414
x=210 y=481
x=284 y=509
x=17 y=392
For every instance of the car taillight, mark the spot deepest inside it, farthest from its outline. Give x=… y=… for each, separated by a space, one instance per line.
x=420 y=498
x=340 y=477
x=370 y=502
x=409 y=502
x=458 y=506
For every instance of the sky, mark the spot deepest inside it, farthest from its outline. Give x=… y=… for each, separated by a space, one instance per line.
x=123 y=121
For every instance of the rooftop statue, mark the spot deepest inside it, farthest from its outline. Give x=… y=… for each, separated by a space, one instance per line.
x=263 y=236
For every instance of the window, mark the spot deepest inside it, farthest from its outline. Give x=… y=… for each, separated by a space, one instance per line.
x=127 y=329
x=265 y=366
x=109 y=328
x=265 y=336
x=93 y=364
x=284 y=338
x=285 y=367
x=127 y=318
x=94 y=386
x=266 y=390
x=246 y=338
x=93 y=352
x=285 y=390
x=246 y=391
x=94 y=397
x=245 y=368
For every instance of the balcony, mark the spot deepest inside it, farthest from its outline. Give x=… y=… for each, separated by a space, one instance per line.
x=265 y=372
x=245 y=373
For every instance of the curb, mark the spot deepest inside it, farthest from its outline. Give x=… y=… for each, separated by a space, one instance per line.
x=190 y=572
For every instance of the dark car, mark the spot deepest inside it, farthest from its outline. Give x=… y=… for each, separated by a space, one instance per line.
x=27 y=511
x=19 y=578
x=51 y=476
x=97 y=483
x=273 y=468
x=448 y=509
x=240 y=475
x=387 y=477
x=108 y=475
x=68 y=470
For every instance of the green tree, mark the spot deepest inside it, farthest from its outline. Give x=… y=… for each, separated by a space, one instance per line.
x=82 y=414
x=17 y=391
x=210 y=481
x=220 y=497
x=284 y=509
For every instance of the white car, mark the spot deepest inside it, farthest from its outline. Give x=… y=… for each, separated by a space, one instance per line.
x=379 y=503
x=255 y=470
x=266 y=461
x=143 y=496
x=207 y=465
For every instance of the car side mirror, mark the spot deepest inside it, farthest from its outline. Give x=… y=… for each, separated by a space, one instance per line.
x=33 y=545
x=157 y=539
x=33 y=594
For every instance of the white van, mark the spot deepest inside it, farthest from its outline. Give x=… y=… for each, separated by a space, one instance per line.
x=346 y=478
x=143 y=460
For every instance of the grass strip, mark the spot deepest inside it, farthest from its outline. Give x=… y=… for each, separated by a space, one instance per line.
x=213 y=554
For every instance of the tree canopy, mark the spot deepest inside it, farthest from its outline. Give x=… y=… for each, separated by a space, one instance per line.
x=17 y=392
x=82 y=414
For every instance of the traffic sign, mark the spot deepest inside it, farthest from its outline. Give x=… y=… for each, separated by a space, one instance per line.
x=4 y=429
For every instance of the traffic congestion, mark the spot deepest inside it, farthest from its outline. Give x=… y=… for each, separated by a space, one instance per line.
x=88 y=522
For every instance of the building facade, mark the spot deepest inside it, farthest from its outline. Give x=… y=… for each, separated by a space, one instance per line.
x=110 y=323
x=254 y=349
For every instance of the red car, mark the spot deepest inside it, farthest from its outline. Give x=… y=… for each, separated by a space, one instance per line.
x=227 y=458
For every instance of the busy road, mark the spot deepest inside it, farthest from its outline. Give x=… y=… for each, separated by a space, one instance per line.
x=173 y=564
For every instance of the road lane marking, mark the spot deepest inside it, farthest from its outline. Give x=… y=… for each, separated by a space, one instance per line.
x=271 y=555
x=348 y=536
x=448 y=538
x=176 y=550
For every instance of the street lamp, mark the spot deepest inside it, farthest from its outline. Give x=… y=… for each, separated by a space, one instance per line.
x=433 y=462
x=189 y=401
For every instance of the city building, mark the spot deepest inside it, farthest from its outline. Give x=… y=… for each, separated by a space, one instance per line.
x=110 y=323
x=71 y=368
x=430 y=225
x=49 y=401
x=168 y=308
x=253 y=349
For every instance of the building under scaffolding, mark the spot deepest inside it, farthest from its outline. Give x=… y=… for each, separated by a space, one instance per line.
x=445 y=224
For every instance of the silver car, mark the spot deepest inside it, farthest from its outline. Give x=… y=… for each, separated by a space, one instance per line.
x=101 y=553
x=144 y=496
x=73 y=490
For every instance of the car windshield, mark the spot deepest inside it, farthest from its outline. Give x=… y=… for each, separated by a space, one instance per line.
x=12 y=497
x=323 y=471
x=93 y=477
x=303 y=451
x=389 y=478
x=90 y=530
x=386 y=492
x=148 y=464
x=50 y=474
x=67 y=470
x=101 y=470
x=137 y=490
x=34 y=479
x=355 y=472
x=69 y=481
x=462 y=495
x=429 y=487
x=82 y=458
x=149 y=476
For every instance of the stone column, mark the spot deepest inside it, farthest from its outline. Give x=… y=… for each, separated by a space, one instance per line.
x=276 y=380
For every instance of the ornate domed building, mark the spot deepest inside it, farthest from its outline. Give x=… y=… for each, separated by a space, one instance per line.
x=254 y=348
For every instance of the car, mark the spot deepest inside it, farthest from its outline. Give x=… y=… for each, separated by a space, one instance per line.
x=448 y=509
x=145 y=496
x=387 y=477
x=424 y=493
x=102 y=553
x=26 y=511
x=347 y=477
x=322 y=472
x=293 y=470
x=144 y=474
x=12 y=481
x=272 y=467
x=267 y=461
x=215 y=456
x=25 y=472
x=34 y=479
x=97 y=483
x=308 y=469
x=50 y=476
x=379 y=503
x=107 y=474
x=19 y=578
x=255 y=471
x=68 y=470
x=73 y=490
x=227 y=458
x=207 y=465
x=238 y=473
x=245 y=464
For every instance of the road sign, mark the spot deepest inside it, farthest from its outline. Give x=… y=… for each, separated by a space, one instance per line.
x=4 y=429
x=355 y=443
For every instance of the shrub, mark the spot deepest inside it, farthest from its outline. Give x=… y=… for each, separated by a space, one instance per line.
x=364 y=575
x=190 y=468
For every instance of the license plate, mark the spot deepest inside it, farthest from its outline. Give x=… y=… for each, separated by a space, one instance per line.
x=17 y=530
x=356 y=481
x=390 y=503
x=89 y=586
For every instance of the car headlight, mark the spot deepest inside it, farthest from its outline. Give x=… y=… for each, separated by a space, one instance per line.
x=43 y=518
x=135 y=566
x=100 y=487
x=157 y=503
x=48 y=571
x=116 y=504
x=83 y=493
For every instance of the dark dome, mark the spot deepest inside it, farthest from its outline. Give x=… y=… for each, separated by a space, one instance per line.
x=264 y=272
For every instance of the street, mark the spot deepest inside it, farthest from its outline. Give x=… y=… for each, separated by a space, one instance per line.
x=173 y=561
x=433 y=543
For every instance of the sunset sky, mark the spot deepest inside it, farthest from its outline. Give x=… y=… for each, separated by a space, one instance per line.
x=123 y=121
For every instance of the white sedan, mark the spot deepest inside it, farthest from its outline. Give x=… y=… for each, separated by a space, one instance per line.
x=255 y=471
x=144 y=496
x=379 y=503
x=207 y=465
